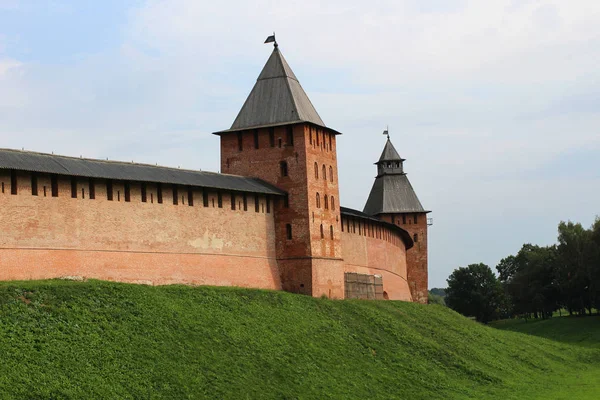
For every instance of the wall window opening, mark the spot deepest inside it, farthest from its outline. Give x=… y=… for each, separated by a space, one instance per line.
x=256 y=204
x=316 y=171
x=219 y=200
x=245 y=200
x=73 y=188
x=190 y=196
x=92 y=189
x=118 y=195
x=268 y=204
x=128 y=192
x=34 y=185
x=290 y=136
x=326 y=201
x=240 y=139
x=175 y=196
x=109 y=190
x=44 y=190
x=144 y=193
x=205 y=198
x=288 y=231
x=322 y=233
x=2 y=187
x=324 y=172
x=284 y=168
x=151 y=198
x=159 y=193
x=286 y=200
x=82 y=193
x=279 y=142
x=13 y=181
x=256 y=139
x=272 y=137
x=318 y=201
x=54 y=184
x=233 y=201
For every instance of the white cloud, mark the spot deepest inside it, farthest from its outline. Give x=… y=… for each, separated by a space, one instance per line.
x=478 y=96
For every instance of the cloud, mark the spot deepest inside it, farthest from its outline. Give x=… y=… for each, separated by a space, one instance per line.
x=482 y=98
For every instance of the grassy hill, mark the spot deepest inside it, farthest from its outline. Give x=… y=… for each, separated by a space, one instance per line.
x=95 y=339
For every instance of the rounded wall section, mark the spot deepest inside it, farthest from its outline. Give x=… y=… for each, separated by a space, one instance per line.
x=385 y=256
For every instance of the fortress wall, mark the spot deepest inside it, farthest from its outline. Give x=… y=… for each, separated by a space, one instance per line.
x=377 y=251
x=48 y=237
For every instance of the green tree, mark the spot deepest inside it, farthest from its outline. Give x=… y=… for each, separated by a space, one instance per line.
x=576 y=270
x=474 y=291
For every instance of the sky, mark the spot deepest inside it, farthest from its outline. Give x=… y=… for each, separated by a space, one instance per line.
x=495 y=104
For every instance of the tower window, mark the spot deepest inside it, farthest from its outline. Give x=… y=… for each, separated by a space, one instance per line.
x=404 y=218
x=326 y=201
x=288 y=231
x=324 y=172
x=331 y=231
x=73 y=188
x=332 y=203
x=330 y=173
x=233 y=201
x=34 y=185
x=92 y=189
x=256 y=138
x=317 y=135
x=13 y=181
x=415 y=238
x=286 y=200
x=318 y=201
x=128 y=191
x=310 y=140
x=272 y=137
x=330 y=146
x=416 y=217
x=279 y=142
x=159 y=193
x=290 y=136
x=322 y=233
x=316 y=171
x=109 y=190
x=144 y=193
x=240 y=139
x=284 y=168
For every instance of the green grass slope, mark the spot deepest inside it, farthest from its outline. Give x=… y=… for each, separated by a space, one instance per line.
x=72 y=340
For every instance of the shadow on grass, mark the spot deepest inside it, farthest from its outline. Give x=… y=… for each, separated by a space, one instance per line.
x=581 y=331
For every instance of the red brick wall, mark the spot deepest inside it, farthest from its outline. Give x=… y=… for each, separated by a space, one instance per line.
x=300 y=257
x=416 y=257
x=48 y=237
x=377 y=251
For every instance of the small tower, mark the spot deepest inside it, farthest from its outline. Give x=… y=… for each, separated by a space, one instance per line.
x=392 y=199
x=279 y=137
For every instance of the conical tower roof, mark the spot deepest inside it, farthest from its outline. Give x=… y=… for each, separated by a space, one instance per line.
x=392 y=192
x=277 y=98
x=389 y=153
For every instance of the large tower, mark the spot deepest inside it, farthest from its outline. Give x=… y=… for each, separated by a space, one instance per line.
x=393 y=199
x=279 y=137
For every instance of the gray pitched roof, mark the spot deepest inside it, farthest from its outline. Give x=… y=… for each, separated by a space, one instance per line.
x=100 y=169
x=277 y=98
x=389 y=153
x=392 y=194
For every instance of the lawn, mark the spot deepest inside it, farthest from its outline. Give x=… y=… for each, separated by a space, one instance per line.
x=72 y=340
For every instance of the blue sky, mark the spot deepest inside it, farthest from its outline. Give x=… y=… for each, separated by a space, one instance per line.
x=495 y=105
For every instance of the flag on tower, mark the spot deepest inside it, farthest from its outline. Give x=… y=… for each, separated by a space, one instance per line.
x=385 y=132
x=270 y=39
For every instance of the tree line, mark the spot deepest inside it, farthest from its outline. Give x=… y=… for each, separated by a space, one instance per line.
x=535 y=282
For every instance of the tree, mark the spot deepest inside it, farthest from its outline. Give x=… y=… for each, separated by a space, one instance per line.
x=474 y=291
x=576 y=270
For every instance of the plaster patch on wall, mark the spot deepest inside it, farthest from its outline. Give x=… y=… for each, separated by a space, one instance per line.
x=207 y=241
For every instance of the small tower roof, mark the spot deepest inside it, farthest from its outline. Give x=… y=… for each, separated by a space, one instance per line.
x=277 y=98
x=392 y=191
x=389 y=153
